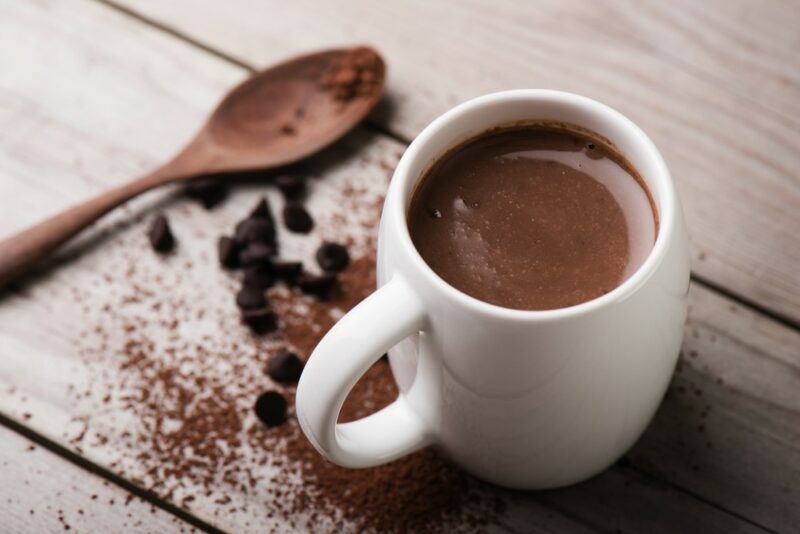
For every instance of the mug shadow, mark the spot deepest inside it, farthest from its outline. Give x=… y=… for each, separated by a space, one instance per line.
x=655 y=481
x=649 y=487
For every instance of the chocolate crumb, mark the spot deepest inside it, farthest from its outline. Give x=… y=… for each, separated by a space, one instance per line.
x=322 y=287
x=262 y=209
x=250 y=298
x=257 y=254
x=209 y=192
x=255 y=230
x=332 y=257
x=228 y=252
x=261 y=320
x=285 y=367
x=160 y=235
x=287 y=271
x=296 y=218
x=270 y=408
x=259 y=277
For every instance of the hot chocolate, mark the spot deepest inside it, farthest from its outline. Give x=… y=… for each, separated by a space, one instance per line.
x=533 y=217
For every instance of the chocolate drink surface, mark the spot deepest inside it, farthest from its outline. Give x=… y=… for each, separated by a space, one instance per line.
x=532 y=218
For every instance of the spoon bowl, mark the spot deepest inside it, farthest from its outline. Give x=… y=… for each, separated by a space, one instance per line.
x=286 y=113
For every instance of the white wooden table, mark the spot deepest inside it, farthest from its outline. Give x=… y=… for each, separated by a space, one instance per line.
x=93 y=92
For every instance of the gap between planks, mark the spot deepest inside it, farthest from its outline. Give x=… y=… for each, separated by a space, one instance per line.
x=104 y=473
x=60 y=496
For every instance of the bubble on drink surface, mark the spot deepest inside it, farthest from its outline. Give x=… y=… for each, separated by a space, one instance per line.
x=435 y=213
x=460 y=205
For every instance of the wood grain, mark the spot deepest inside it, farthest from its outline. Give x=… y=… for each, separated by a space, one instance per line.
x=722 y=108
x=107 y=119
x=749 y=46
x=42 y=492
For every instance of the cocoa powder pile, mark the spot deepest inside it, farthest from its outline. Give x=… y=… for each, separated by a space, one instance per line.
x=177 y=375
x=357 y=74
x=414 y=494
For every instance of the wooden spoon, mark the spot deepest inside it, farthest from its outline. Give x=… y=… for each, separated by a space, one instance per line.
x=276 y=117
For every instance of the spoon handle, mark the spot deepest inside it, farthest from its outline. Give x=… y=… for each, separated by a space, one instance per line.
x=21 y=251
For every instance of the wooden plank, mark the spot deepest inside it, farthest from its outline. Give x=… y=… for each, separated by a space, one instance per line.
x=731 y=149
x=104 y=130
x=748 y=45
x=624 y=500
x=43 y=375
x=42 y=492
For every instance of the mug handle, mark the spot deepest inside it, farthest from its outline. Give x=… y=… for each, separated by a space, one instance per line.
x=358 y=340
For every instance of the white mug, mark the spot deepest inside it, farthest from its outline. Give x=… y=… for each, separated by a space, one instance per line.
x=524 y=399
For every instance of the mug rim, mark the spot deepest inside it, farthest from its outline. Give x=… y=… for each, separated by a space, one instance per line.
x=667 y=204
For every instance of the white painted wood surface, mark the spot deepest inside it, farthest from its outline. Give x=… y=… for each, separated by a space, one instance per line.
x=118 y=108
x=42 y=492
x=713 y=83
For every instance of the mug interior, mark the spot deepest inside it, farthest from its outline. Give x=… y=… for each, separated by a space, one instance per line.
x=513 y=107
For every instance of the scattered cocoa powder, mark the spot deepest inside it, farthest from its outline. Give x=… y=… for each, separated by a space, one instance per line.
x=421 y=492
x=185 y=399
x=304 y=325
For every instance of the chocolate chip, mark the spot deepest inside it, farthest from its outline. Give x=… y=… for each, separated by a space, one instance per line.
x=259 y=277
x=255 y=230
x=250 y=298
x=263 y=210
x=257 y=254
x=285 y=367
x=270 y=407
x=287 y=270
x=160 y=235
x=208 y=192
x=332 y=257
x=292 y=187
x=228 y=252
x=297 y=218
x=594 y=152
x=260 y=320
x=435 y=213
x=323 y=286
